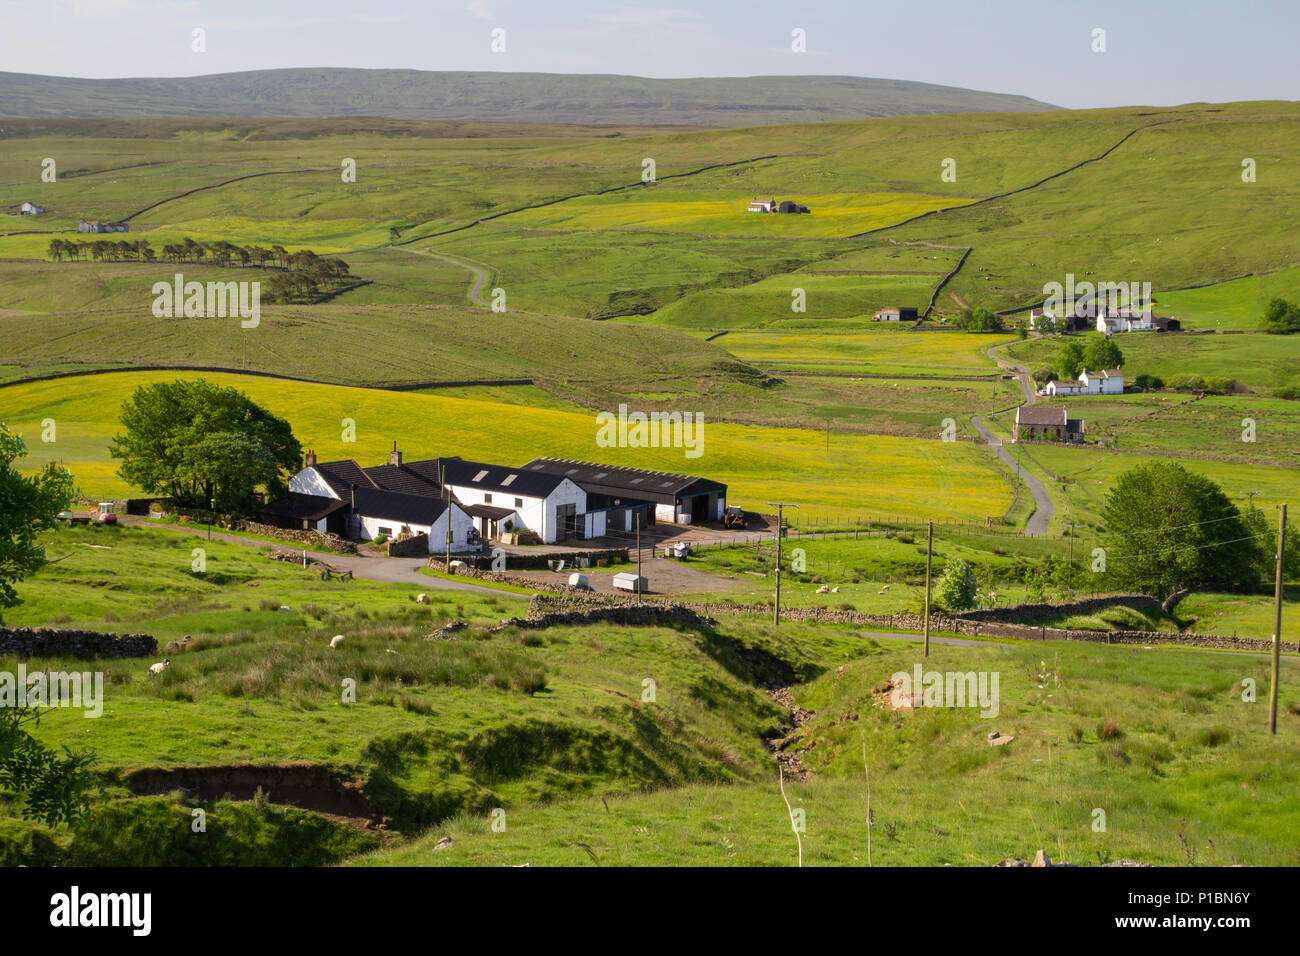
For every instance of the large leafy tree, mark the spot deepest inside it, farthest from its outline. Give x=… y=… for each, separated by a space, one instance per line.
x=1280 y=317
x=1169 y=529
x=1069 y=360
x=195 y=441
x=29 y=505
x=1102 y=353
x=958 y=587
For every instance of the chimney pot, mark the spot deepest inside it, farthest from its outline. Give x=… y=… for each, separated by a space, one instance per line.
x=395 y=457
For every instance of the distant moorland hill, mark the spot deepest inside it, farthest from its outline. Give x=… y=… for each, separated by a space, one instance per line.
x=500 y=97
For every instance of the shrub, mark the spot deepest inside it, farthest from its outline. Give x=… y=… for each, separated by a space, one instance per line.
x=1109 y=730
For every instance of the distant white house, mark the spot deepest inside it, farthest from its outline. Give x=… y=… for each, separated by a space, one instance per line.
x=897 y=314
x=763 y=205
x=1125 y=320
x=1104 y=382
x=30 y=209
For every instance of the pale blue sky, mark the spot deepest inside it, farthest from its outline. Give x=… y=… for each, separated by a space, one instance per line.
x=1159 y=52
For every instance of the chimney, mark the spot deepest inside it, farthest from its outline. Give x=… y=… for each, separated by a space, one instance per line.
x=310 y=461
x=395 y=457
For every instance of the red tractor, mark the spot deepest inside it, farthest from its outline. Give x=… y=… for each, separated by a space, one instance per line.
x=104 y=514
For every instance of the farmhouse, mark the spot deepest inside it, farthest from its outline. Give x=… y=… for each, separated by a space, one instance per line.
x=1105 y=382
x=1125 y=320
x=1050 y=424
x=678 y=499
x=94 y=225
x=771 y=205
x=553 y=498
x=30 y=209
x=501 y=498
x=897 y=314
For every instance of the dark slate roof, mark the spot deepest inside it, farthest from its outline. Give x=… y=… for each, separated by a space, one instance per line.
x=395 y=506
x=403 y=479
x=617 y=481
x=342 y=475
x=493 y=478
x=1038 y=415
x=488 y=511
x=300 y=506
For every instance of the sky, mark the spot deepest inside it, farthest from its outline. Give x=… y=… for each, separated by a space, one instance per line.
x=1157 y=52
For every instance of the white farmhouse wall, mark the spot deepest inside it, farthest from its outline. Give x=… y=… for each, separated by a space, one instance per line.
x=370 y=527
x=309 y=482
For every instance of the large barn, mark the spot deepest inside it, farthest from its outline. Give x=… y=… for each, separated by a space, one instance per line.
x=680 y=499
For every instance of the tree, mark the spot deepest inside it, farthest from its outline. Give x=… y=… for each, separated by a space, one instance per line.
x=1043 y=375
x=28 y=506
x=1169 y=529
x=1149 y=383
x=1280 y=317
x=53 y=788
x=979 y=320
x=180 y=436
x=1069 y=360
x=957 y=587
x=1102 y=353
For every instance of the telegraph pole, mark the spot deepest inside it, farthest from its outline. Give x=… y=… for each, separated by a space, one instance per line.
x=929 y=552
x=447 y=491
x=639 y=579
x=780 y=526
x=1277 y=619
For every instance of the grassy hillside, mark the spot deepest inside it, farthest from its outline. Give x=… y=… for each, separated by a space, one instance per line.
x=537 y=97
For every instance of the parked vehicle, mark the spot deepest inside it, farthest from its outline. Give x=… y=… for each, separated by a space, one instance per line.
x=104 y=514
x=734 y=518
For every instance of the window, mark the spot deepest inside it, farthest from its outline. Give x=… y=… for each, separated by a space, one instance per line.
x=387 y=532
x=487 y=499
x=508 y=479
x=480 y=476
x=519 y=502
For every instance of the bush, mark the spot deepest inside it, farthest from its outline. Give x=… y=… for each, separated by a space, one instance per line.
x=957 y=587
x=1109 y=730
x=1290 y=392
x=1149 y=383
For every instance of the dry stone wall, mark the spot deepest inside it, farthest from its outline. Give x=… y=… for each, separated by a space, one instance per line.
x=59 y=642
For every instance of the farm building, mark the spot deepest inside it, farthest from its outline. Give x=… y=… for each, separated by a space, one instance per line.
x=679 y=499
x=94 y=225
x=1167 y=325
x=552 y=498
x=771 y=205
x=1050 y=424
x=897 y=314
x=498 y=495
x=30 y=209
x=1125 y=320
x=1105 y=382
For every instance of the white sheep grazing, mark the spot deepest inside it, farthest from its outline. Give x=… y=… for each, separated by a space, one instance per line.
x=422 y=599
x=336 y=640
x=155 y=669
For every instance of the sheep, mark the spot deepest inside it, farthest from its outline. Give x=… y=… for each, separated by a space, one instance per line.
x=156 y=669
x=336 y=640
x=422 y=598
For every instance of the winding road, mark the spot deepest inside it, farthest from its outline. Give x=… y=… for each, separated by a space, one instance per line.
x=1044 y=509
x=480 y=274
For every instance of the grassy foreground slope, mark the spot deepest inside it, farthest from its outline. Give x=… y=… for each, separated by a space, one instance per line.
x=1159 y=741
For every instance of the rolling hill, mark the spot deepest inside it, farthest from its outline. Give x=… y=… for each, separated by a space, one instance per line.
x=500 y=97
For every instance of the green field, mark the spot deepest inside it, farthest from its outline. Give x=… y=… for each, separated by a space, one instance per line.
x=1233 y=305
x=873 y=473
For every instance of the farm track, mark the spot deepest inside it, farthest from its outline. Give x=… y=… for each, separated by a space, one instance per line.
x=481 y=275
x=1044 y=509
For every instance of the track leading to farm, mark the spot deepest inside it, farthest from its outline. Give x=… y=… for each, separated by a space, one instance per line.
x=1036 y=526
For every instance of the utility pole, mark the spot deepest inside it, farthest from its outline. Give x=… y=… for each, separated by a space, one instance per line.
x=780 y=526
x=1071 y=558
x=929 y=552
x=639 y=579
x=442 y=475
x=1277 y=619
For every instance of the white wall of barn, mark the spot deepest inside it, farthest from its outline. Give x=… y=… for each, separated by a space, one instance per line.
x=309 y=482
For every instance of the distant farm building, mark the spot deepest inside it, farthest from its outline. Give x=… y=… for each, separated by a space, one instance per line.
x=1105 y=382
x=94 y=225
x=1125 y=320
x=899 y=314
x=30 y=209
x=679 y=499
x=771 y=205
x=1047 y=424
x=1167 y=325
